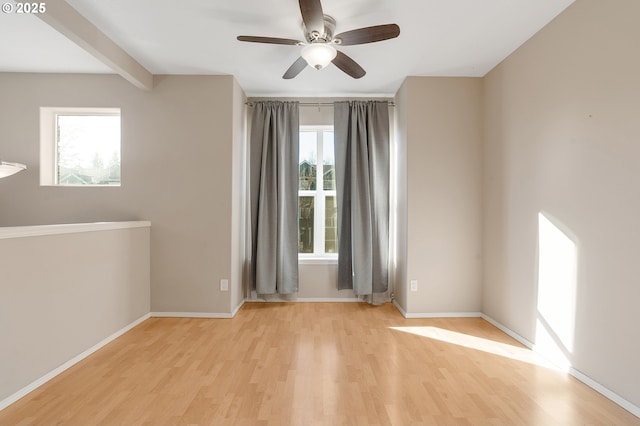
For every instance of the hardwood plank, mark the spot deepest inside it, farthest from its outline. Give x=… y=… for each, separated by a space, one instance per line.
x=314 y=364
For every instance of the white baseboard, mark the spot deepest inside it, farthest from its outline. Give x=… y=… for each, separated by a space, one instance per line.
x=235 y=311
x=436 y=314
x=399 y=308
x=73 y=361
x=508 y=331
x=608 y=393
x=633 y=409
x=444 y=315
x=213 y=315
x=311 y=300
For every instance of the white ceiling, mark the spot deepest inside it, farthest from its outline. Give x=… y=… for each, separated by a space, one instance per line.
x=437 y=38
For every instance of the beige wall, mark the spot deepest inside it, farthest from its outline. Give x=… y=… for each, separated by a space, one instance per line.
x=62 y=294
x=177 y=156
x=562 y=135
x=399 y=210
x=442 y=137
x=239 y=182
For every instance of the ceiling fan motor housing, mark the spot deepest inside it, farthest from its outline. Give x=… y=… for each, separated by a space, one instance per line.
x=326 y=37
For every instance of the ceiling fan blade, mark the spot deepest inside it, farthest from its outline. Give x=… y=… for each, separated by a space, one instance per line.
x=269 y=40
x=312 y=15
x=348 y=65
x=295 y=68
x=368 y=34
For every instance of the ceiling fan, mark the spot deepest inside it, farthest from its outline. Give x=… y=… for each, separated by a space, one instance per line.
x=318 y=50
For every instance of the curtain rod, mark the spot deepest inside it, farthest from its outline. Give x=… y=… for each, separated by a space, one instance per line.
x=315 y=104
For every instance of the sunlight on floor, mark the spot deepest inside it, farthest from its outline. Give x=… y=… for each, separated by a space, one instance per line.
x=478 y=343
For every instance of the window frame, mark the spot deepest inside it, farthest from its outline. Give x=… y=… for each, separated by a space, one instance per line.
x=319 y=194
x=49 y=163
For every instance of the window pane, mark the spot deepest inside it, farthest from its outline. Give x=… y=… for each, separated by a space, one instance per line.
x=88 y=150
x=330 y=225
x=308 y=160
x=329 y=162
x=305 y=224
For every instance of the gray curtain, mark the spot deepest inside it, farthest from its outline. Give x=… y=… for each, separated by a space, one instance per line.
x=274 y=197
x=362 y=178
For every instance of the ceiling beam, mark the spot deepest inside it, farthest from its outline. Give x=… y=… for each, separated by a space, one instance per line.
x=65 y=19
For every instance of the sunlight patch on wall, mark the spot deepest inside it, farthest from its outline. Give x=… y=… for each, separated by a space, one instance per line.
x=556 y=303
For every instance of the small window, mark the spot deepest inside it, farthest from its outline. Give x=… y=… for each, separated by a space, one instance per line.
x=317 y=211
x=80 y=146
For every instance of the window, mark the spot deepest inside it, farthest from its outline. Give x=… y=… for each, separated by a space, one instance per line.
x=80 y=146
x=317 y=211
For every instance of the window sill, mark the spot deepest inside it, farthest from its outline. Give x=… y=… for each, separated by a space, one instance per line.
x=318 y=260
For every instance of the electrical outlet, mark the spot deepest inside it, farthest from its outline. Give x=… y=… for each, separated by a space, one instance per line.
x=414 y=285
x=224 y=285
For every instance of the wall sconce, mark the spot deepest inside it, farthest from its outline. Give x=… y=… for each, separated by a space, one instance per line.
x=8 y=169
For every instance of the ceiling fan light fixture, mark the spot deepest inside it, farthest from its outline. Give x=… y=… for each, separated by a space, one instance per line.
x=318 y=55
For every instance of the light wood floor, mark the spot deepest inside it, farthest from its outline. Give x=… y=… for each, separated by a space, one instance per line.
x=314 y=363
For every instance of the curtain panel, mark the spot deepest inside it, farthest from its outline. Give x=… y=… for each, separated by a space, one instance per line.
x=361 y=130
x=274 y=197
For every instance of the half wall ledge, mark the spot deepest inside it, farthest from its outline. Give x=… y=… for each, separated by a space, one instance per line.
x=69 y=228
